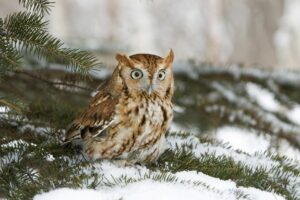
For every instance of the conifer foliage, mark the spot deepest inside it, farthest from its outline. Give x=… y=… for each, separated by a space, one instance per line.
x=25 y=33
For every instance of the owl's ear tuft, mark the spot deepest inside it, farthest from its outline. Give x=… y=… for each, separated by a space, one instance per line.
x=169 y=58
x=122 y=58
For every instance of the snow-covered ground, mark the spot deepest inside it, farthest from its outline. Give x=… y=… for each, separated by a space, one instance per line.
x=251 y=142
x=138 y=182
x=149 y=189
x=243 y=139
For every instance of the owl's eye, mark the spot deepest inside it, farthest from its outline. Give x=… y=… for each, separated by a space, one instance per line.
x=136 y=74
x=161 y=75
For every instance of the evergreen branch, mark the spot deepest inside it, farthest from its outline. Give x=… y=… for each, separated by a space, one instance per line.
x=10 y=105
x=9 y=57
x=81 y=60
x=1 y=27
x=38 y=6
x=53 y=83
x=27 y=32
x=11 y=102
x=21 y=21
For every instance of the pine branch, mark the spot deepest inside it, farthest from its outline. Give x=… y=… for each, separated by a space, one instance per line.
x=54 y=83
x=12 y=102
x=1 y=27
x=20 y=21
x=9 y=104
x=81 y=61
x=9 y=57
x=38 y=6
x=28 y=33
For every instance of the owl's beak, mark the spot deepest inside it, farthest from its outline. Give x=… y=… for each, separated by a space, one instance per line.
x=150 y=89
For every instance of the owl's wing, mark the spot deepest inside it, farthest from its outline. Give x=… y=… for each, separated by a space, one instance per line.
x=95 y=119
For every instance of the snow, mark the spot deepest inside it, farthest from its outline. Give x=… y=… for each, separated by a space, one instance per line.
x=263 y=97
x=4 y=109
x=250 y=141
x=19 y=145
x=139 y=182
x=259 y=161
x=243 y=139
x=175 y=127
x=294 y=115
x=37 y=129
x=284 y=148
x=178 y=109
x=185 y=185
x=136 y=191
x=14 y=144
x=265 y=115
x=66 y=193
x=201 y=149
x=290 y=76
x=50 y=158
x=150 y=190
x=258 y=195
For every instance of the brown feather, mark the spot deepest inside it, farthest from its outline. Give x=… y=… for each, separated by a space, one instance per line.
x=95 y=118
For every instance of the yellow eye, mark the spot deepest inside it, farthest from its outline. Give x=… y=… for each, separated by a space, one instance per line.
x=136 y=74
x=161 y=75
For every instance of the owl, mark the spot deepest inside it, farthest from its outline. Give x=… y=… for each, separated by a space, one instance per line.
x=128 y=117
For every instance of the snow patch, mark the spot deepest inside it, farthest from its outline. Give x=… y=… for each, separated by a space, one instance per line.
x=50 y=158
x=263 y=97
x=243 y=139
x=203 y=149
x=294 y=115
x=66 y=193
x=285 y=149
x=187 y=185
x=4 y=109
x=146 y=190
x=178 y=128
x=14 y=144
x=178 y=109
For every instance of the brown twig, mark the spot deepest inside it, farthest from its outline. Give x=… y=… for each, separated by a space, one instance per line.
x=54 y=83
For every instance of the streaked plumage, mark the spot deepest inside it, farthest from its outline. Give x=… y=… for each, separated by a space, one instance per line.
x=129 y=116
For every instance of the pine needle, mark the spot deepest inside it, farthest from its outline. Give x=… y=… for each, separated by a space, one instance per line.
x=39 y=6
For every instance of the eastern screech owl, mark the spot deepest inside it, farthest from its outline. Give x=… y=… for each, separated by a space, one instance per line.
x=128 y=118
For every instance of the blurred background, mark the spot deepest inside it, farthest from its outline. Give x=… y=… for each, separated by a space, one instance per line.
x=263 y=33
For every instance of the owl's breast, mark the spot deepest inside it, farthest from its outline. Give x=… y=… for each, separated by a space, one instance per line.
x=140 y=123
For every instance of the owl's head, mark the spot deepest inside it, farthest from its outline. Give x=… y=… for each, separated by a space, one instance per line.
x=146 y=73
